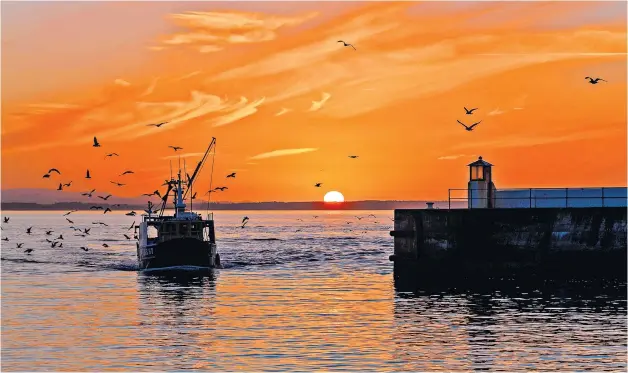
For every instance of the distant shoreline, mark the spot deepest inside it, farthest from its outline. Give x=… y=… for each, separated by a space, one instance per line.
x=269 y=206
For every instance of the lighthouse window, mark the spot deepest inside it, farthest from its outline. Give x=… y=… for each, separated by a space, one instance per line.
x=477 y=173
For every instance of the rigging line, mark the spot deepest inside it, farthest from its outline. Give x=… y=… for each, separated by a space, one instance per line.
x=211 y=178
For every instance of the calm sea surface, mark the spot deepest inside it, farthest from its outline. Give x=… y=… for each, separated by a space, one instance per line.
x=297 y=293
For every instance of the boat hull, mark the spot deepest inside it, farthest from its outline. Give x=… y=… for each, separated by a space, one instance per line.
x=176 y=253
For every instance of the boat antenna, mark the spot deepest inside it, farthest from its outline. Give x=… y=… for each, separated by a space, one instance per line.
x=211 y=179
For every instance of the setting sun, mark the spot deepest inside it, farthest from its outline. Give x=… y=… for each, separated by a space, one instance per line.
x=334 y=196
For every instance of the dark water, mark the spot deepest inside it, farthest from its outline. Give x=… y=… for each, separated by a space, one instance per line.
x=322 y=298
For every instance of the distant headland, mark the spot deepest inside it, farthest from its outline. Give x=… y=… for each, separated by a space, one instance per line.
x=200 y=206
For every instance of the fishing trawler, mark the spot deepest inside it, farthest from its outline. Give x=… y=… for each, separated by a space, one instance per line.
x=183 y=239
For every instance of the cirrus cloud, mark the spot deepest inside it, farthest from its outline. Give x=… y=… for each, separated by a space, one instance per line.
x=211 y=31
x=283 y=152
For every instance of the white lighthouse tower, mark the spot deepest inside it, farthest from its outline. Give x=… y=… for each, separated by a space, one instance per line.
x=481 y=190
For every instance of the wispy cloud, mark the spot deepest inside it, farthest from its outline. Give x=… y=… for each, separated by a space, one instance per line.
x=283 y=152
x=496 y=112
x=317 y=105
x=238 y=113
x=212 y=31
x=527 y=140
x=122 y=82
x=282 y=112
x=183 y=155
x=151 y=88
x=452 y=157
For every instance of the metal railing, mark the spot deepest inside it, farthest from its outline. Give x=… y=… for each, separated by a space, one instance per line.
x=544 y=197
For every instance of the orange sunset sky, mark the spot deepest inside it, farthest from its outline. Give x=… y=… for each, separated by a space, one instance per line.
x=288 y=104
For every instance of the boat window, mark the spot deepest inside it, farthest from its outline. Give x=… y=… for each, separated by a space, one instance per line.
x=151 y=232
x=183 y=228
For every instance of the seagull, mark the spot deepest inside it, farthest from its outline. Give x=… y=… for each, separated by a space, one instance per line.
x=372 y=216
x=48 y=233
x=28 y=230
x=5 y=239
x=318 y=185
x=175 y=148
x=118 y=184
x=131 y=227
x=107 y=210
x=69 y=221
x=46 y=176
x=470 y=128
x=87 y=176
x=96 y=144
x=232 y=175
x=68 y=184
x=594 y=81
x=359 y=217
x=54 y=170
x=69 y=212
x=88 y=194
x=222 y=189
x=60 y=187
x=105 y=245
x=347 y=44
x=246 y=218
x=469 y=112
x=96 y=208
x=126 y=172
x=127 y=237
x=6 y=219
x=111 y=155
x=19 y=245
x=28 y=251
x=86 y=230
x=353 y=156
x=105 y=198
x=157 y=124
x=60 y=237
x=84 y=248
x=132 y=213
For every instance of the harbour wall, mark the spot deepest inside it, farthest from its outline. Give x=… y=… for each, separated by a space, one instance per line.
x=589 y=241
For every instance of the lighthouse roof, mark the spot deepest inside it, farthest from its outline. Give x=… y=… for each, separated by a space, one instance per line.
x=480 y=162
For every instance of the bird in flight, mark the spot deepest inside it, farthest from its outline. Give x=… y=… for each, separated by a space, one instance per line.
x=157 y=124
x=6 y=219
x=28 y=230
x=594 y=81
x=132 y=213
x=87 y=176
x=469 y=112
x=96 y=144
x=88 y=194
x=118 y=184
x=68 y=184
x=111 y=155
x=126 y=172
x=54 y=170
x=19 y=245
x=175 y=148
x=46 y=176
x=84 y=248
x=107 y=210
x=318 y=185
x=105 y=198
x=60 y=187
x=95 y=207
x=28 y=251
x=222 y=189
x=232 y=175
x=69 y=221
x=347 y=44
x=470 y=128
x=246 y=218
x=69 y=212
x=353 y=156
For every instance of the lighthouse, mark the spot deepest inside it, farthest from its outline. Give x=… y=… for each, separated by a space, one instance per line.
x=481 y=190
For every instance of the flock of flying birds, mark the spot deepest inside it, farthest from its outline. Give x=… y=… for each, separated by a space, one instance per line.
x=57 y=242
